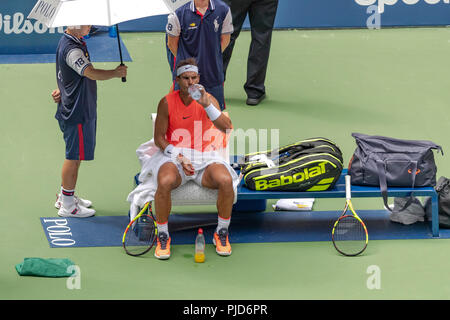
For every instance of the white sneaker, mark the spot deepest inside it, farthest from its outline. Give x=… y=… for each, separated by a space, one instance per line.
x=82 y=202
x=77 y=211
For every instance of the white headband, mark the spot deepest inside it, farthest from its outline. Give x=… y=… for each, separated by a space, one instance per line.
x=186 y=68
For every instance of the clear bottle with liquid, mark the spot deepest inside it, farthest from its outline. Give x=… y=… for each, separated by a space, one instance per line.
x=194 y=91
x=199 y=246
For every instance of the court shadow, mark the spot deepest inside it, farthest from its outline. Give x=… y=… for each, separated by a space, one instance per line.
x=235 y=102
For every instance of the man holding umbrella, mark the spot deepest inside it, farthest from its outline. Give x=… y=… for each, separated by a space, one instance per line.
x=76 y=97
x=76 y=76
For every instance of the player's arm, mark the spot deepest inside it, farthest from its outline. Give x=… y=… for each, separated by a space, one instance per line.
x=212 y=108
x=223 y=123
x=161 y=124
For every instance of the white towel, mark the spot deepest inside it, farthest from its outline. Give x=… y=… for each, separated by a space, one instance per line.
x=152 y=158
x=303 y=204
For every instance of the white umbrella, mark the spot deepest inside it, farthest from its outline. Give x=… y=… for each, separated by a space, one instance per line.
x=58 y=13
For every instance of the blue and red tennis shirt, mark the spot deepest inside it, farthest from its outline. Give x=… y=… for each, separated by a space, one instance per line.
x=200 y=38
x=78 y=93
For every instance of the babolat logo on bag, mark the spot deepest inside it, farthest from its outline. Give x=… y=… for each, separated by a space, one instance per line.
x=262 y=183
x=309 y=165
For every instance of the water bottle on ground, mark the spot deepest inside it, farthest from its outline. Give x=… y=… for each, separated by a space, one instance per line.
x=200 y=247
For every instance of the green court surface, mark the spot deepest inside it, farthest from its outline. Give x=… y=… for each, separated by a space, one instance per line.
x=328 y=83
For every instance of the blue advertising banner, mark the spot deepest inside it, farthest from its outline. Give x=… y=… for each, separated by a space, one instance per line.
x=361 y=13
x=339 y=14
x=21 y=36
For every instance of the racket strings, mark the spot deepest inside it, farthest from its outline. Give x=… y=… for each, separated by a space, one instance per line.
x=349 y=235
x=141 y=236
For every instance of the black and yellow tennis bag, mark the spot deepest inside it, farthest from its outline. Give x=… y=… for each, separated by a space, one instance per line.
x=309 y=165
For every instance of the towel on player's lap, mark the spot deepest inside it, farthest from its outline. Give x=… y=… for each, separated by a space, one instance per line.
x=152 y=158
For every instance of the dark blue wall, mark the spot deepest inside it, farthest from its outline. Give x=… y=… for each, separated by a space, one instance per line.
x=335 y=14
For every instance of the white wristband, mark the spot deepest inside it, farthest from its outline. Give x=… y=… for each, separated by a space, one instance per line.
x=172 y=152
x=168 y=150
x=212 y=112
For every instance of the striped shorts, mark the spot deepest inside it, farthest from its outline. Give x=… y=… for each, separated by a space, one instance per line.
x=79 y=139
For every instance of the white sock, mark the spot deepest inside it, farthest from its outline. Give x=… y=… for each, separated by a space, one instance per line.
x=222 y=223
x=163 y=228
x=67 y=198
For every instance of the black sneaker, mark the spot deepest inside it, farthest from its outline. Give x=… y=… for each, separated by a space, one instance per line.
x=255 y=101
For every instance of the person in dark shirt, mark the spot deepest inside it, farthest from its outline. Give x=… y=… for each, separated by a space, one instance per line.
x=76 y=97
x=201 y=29
x=261 y=14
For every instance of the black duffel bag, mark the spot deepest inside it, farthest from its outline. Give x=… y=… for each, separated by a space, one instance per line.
x=443 y=191
x=389 y=162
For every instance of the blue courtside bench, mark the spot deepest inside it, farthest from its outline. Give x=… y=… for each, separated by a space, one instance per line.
x=256 y=201
x=249 y=199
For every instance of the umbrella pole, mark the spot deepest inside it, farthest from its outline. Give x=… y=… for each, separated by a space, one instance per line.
x=124 y=79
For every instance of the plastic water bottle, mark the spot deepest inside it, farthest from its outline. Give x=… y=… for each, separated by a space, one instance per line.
x=195 y=92
x=200 y=247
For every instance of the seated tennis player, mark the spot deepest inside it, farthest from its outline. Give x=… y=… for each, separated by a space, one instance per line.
x=183 y=131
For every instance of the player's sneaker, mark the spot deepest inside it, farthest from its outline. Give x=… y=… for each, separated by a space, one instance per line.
x=76 y=212
x=83 y=202
x=220 y=240
x=162 y=250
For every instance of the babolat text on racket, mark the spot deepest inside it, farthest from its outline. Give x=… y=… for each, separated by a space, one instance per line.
x=140 y=234
x=349 y=233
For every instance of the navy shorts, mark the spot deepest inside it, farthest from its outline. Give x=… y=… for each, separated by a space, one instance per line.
x=218 y=93
x=79 y=139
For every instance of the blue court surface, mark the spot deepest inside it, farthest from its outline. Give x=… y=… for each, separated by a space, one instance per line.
x=280 y=226
x=101 y=46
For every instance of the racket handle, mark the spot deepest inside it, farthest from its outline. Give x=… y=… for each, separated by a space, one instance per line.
x=348 y=193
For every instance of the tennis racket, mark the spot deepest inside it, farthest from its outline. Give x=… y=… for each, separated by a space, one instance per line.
x=349 y=233
x=140 y=234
